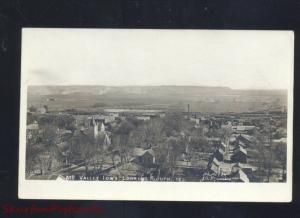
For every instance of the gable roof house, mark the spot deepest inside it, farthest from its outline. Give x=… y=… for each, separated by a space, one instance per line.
x=144 y=156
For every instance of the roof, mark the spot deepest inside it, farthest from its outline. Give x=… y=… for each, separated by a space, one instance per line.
x=150 y=151
x=241 y=176
x=241 y=149
x=138 y=152
x=243 y=128
x=282 y=140
x=242 y=144
x=223 y=144
x=141 y=152
x=232 y=138
x=216 y=162
x=247 y=137
x=221 y=151
x=245 y=166
x=64 y=131
x=214 y=139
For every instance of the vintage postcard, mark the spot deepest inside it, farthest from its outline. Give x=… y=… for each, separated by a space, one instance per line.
x=172 y=115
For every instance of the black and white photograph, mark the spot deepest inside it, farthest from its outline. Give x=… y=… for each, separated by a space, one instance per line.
x=156 y=107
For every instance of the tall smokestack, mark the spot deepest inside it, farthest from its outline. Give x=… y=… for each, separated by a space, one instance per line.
x=189 y=111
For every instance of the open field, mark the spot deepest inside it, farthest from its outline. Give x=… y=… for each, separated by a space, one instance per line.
x=202 y=99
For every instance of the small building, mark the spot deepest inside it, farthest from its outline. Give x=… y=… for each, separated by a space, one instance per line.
x=144 y=156
x=148 y=157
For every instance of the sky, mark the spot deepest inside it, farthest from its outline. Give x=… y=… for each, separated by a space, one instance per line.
x=112 y=57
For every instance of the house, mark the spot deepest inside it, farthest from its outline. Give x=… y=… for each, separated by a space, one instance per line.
x=144 y=156
x=239 y=155
x=148 y=157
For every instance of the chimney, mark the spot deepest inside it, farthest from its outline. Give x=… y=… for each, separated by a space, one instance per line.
x=189 y=111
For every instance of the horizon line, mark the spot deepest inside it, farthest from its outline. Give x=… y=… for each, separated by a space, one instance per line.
x=203 y=86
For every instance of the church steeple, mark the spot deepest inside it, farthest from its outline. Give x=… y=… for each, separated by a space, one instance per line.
x=95 y=126
x=102 y=129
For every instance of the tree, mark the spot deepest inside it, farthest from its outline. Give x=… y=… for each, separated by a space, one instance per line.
x=153 y=133
x=49 y=136
x=174 y=150
x=47 y=119
x=200 y=143
x=83 y=146
x=121 y=139
x=30 y=118
x=32 y=109
x=280 y=153
x=260 y=152
x=65 y=122
x=172 y=124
